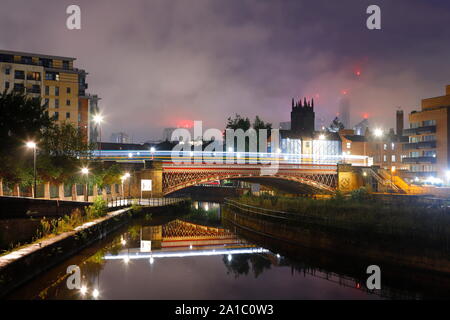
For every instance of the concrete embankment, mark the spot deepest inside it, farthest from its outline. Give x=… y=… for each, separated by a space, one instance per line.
x=18 y=208
x=26 y=263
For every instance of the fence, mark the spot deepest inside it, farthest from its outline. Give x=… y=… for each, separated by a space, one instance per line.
x=118 y=202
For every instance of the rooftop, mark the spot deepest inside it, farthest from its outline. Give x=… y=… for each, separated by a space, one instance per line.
x=44 y=56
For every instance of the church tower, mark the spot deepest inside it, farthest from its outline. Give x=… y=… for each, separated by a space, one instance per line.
x=302 y=117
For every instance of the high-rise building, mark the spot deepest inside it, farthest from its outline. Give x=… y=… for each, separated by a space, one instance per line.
x=120 y=137
x=52 y=78
x=344 y=111
x=429 y=138
x=399 y=123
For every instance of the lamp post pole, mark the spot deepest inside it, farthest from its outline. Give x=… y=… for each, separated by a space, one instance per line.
x=34 y=172
x=32 y=145
x=85 y=172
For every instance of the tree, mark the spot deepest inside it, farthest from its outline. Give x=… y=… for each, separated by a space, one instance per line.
x=238 y=123
x=62 y=150
x=260 y=124
x=21 y=118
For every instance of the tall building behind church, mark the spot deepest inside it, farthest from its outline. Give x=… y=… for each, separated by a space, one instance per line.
x=344 y=111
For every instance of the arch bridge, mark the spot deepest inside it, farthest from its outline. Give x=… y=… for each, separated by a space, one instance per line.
x=168 y=177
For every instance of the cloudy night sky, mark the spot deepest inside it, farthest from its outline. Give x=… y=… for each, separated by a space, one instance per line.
x=158 y=63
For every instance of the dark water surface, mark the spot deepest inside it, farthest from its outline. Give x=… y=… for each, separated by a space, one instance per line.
x=196 y=256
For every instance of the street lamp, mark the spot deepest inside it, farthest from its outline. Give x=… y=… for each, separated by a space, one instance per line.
x=379 y=133
x=152 y=151
x=123 y=178
x=392 y=172
x=98 y=119
x=32 y=145
x=85 y=171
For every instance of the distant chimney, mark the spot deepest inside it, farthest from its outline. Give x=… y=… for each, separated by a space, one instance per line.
x=399 y=131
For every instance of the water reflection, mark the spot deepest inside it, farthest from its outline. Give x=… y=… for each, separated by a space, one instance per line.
x=194 y=255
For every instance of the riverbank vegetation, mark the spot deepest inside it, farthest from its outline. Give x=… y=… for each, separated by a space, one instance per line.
x=50 y=227
x=360 y=213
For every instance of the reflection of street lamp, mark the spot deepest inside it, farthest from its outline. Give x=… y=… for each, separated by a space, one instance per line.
x=85 y=172
x=98 y=119
x=32 y=145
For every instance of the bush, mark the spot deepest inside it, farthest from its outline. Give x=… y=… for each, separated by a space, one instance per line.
x=97 y=209
x=360 y=194
x=135 y=208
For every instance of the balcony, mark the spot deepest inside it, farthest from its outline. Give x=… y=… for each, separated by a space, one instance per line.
x=420 y=145
x=413 y=160
x=34 y=90
x=419 y=130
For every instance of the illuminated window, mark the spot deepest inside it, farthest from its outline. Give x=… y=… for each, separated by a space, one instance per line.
x=392 y=146
x=384 y=158
x=393 y=158
x=385 y=146
x=349 y=145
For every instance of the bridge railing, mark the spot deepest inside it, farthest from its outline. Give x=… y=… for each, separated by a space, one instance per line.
x=121 y=202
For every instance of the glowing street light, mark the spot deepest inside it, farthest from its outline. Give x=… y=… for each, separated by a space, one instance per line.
x=32 y=145
x=123 y=178
x=322 y=137
x=152 y=151
x=392 y=172
x=378 y=132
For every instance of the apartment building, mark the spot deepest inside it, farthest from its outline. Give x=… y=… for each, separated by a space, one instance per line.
x=428 y=148
x=52 y=78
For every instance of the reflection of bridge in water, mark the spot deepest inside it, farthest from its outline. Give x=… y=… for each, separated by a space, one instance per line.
x=182 y=239
x=179 y=238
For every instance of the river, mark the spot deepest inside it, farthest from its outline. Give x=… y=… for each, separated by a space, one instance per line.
x=198 y=255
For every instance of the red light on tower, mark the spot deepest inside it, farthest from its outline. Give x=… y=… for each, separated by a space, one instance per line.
x=358 y=73
x=365 y=116
x=344 y=92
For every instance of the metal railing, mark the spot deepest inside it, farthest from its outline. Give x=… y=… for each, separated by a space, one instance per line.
x=120 y=202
